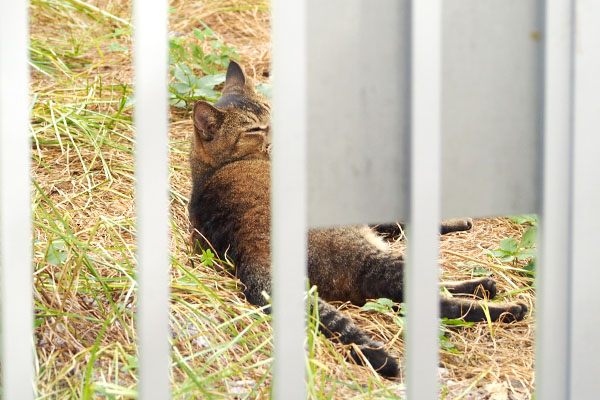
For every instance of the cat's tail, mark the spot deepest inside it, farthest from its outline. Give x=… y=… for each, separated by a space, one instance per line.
x=334 y=324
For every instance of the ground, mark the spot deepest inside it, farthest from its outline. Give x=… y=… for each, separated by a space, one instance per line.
x=84 y=237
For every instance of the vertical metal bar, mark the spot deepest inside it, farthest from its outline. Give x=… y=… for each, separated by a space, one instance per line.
x=150 y=38
x=289 y=198
x=553 y=274
x=584 y=344
x=15 y=204
x=421 y=284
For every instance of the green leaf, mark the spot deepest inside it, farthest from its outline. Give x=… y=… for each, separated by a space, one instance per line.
x=117 y=47
x=385 y=302
x=531 y=266
x=481 y=271
x=176 y=101
x=202 y=34
x=447 y=345
x=265 y=89
x=199 y=34
x=207 y=257
x=456 y=322
x=382 y=305
x=399 y=321
x=497 y=253
x=56 y=255
x=372 y=306
x=183 y=73
x=210 y=81
x=206 y=93
x=529 y=237
x=181 y=88
x=197 y=53
x=509 y=245
x=524 y=219
x=526 y=253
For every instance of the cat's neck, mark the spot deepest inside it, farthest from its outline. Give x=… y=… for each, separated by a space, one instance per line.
x=202 y=172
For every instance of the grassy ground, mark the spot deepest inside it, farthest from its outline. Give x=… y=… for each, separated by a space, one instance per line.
x=84 y=235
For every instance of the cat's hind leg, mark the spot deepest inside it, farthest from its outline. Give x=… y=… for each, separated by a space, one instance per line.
x=256 y=279
x=334 y=324
x=480 y=287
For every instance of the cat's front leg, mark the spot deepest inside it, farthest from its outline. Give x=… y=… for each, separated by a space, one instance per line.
x=257 y=281
x=477 y=311
x=479 y=287
x=333 y=324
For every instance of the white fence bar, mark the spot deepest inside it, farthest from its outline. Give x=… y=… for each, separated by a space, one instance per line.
x=150 y=39
x=289 y=204
x=585 y=302
x=491 y=102
x=422 y=300
x=358 y=111
x=553 y=272
x=15 y=204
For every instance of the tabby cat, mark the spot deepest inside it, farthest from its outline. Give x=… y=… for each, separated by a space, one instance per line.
x=230 y=208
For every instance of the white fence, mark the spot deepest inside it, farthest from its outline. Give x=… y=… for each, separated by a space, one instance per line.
x=503 y=99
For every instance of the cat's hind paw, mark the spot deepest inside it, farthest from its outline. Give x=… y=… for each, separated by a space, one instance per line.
x=515 y=312
x=480 y=287
x=489 y=288
x=456 y=225
x=382 y=362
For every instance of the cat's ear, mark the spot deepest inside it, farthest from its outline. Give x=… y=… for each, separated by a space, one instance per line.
x=206 y=119
x=235 y=77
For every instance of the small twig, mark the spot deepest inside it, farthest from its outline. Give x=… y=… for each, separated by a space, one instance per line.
x=472 y=385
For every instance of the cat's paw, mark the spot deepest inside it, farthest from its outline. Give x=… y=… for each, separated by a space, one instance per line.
x=467 y=223
x=514 y=312
x=381 y=361
x=489 y=288
x=456 y=225
x=480 y=287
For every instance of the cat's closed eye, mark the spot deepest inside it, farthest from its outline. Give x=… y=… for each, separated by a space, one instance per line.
x=257 y=129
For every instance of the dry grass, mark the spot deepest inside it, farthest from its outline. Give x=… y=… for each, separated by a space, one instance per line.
x=85 y=238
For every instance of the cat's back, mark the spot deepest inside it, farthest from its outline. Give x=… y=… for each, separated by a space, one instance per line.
x=232 y=210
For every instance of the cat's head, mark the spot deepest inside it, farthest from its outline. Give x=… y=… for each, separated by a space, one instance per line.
x=236 y=127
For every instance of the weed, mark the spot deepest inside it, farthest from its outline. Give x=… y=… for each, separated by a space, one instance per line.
x=513 y=251
x=523 y=219
x=207 y=257
x=188 y=59
x=387 y=307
